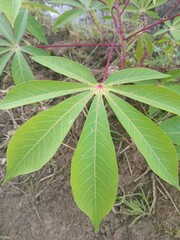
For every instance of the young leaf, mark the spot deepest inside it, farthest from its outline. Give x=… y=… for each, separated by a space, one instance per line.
x=171 y=127
x=68 y=68
x=21 y=71
x=36 y=29
x=20 y=25
x=153 y=95
x=34 y=51
x=6 y=30
x=39 y=90
x=35 y=143
x=10 y=9
x=4 y=60
x=68 y=17
x=151 y=141
x=94 y=175
x=134 y=75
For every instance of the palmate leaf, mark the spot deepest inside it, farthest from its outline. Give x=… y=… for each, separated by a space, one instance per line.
x=68 y=68
x=10 y=9
x=94 y=175
x=132 y=75
x=38 y=90
x=171 y=127
x=21 y=71
x=151 y=141
x=35 y=143
x=153 y=95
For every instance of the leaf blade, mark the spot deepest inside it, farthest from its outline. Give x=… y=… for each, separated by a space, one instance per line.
x=6 y=30
x=152 y=142
x=38 y=139
x=34 y=28
x=68 y=68
x=20 y=25
x=156 y=96
x=10 y=9
x=40 y=90
x=4 y=60
x=171 y=127
x=21 y=71
x=96 y=169
x=133 y=75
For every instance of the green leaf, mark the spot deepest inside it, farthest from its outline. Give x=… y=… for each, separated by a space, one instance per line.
x=10 y=9
x=161 y=31
x=20 y=25
x=139 y=50
x=68 y=17
x=151 y=141
x=39 y=90
x=134 y=75
x=158 y=3
x=68 y=68
x=152 y=14
x=174 y=88
x=4 y=43
x=39 y=5
x=4 y=60
x=34 y=51
x=6 y=30
x=147 y=39
x=21 y=71
x=36 y=142
x=153 y=95
x=36 y=29
x=171 y=127
x=94 y=175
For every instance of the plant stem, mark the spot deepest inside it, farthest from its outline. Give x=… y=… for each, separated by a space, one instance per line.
x=119 y=28
x=79 y=45
x=108 y=61
x=125 y=5
x=152 y=25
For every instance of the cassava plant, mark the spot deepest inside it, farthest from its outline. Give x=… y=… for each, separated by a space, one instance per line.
x=94 y=172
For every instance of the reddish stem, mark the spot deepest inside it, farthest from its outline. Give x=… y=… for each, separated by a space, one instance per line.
x=108 y=61
x=79 y=45
x=152 y=25
x=125 y=5
x=119 y=27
